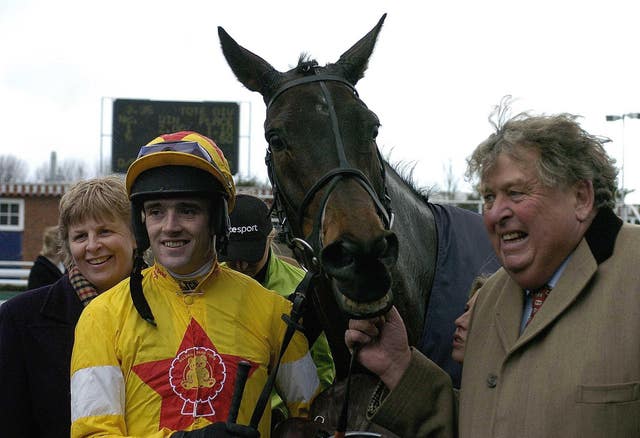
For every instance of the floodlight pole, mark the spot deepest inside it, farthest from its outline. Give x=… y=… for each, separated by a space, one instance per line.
x=623 y=117
x=100 y=171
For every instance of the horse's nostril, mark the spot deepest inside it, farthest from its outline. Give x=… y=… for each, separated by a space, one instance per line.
x=361 y=270
x=347 y=259
x=337 y=256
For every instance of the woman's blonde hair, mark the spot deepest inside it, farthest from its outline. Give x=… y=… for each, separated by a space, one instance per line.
x=96 y=198
x=50 y=242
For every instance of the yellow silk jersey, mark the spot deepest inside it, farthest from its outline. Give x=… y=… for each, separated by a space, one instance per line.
x=129 y=378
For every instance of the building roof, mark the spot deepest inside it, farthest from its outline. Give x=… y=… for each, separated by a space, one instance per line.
x=23 y=190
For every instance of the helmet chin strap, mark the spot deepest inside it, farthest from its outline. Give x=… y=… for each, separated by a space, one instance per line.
x=135 y=285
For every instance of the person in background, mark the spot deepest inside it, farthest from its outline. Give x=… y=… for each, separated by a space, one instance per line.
x=47 y=267
x=251 y=251
x=553 y=346
x=171 y=337
x=463 y=321
x=37 y=326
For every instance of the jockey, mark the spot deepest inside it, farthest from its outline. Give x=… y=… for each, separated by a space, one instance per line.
x=159 y=352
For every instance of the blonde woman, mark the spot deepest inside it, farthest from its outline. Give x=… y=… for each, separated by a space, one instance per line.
x=47 y=267
x=37 y=326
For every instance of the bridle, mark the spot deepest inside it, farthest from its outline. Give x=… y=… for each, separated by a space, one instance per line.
x=307 y=249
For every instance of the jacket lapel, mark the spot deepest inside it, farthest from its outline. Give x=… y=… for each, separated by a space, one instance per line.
x=509 y=313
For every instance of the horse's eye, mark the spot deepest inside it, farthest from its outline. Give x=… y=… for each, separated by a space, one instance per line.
x=276 y=142
x=374 y=132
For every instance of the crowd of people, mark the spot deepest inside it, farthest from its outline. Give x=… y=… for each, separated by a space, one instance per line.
x=197 y=292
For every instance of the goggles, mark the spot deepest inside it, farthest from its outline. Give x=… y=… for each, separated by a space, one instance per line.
x=187 y=147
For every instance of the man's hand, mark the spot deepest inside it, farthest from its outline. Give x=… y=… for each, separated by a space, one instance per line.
x=383 y=345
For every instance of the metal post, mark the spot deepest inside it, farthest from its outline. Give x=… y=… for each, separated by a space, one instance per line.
x=100 y=171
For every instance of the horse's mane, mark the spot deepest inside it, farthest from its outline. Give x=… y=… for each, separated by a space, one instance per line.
x=404 y=170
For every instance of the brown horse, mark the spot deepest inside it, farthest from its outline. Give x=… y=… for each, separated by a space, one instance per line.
x=374 y=239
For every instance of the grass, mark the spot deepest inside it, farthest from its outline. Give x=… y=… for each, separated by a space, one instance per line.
x=5 y=295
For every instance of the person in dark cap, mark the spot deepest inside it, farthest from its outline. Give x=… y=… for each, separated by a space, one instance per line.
x=250 y=238
x=250 y=250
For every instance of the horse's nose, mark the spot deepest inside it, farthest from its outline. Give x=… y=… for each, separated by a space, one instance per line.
x=361 y=269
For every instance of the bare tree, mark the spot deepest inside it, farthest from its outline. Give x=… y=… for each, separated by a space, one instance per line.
x=13 y=169
x=68 y=170
x=450 y=182
x=74 y=170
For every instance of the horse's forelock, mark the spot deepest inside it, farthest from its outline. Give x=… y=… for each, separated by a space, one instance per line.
x=305 y=63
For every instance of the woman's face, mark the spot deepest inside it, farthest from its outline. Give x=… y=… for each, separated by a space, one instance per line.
x=462 y=329
x=103 y=251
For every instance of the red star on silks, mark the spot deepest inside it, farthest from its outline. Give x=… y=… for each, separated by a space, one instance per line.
x=197 y=382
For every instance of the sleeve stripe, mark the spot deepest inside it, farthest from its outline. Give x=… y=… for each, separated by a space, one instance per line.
x=298 y=380
x=97 y=391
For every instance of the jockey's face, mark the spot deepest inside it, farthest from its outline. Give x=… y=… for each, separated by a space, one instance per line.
x=179 y=233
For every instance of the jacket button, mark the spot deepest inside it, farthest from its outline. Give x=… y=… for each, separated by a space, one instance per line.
x=188 y=300
x=492 y=380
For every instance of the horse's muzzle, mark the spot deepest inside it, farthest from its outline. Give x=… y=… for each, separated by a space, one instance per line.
x=361 y=273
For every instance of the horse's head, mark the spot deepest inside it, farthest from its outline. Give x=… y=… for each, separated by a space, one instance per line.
x=326 y=171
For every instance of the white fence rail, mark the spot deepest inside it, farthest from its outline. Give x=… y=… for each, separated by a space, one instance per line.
x=628 y=213
x=14 y=273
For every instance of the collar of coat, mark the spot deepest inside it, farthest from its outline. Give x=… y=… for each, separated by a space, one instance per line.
x=601 y=234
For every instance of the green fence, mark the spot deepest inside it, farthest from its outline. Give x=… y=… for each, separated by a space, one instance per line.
x=5 y=295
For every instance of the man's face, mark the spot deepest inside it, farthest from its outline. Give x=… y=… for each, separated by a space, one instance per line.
x=250 y=268
x=532 y=228
x=179 y=233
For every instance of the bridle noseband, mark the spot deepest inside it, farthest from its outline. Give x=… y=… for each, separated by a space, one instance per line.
x=307 y=250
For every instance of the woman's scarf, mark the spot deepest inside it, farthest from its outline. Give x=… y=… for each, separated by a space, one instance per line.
x=85 y=290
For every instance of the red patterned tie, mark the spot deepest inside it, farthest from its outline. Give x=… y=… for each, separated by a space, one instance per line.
x=537 y=299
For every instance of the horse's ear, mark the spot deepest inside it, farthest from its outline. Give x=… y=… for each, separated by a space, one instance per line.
x=251 y=70
x=354 y=61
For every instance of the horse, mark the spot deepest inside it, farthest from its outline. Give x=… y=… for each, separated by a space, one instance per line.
x=374 y=239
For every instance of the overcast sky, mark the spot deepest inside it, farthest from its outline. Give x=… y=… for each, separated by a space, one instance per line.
x=437 y=71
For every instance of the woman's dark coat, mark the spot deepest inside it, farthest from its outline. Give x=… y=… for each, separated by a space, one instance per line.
x=43 y=273
x=36 y=339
